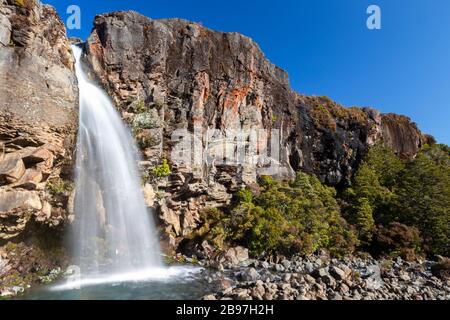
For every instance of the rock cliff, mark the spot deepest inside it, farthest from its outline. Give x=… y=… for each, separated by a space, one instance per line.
x=38 y=122
x=171 y=75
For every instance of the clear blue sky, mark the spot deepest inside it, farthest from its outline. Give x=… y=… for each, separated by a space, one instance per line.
x=327 y=49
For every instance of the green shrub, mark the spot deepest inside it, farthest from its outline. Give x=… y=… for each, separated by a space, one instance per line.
x=162 y=170
x=59 y=187
x=244 y=196
x=140 y=106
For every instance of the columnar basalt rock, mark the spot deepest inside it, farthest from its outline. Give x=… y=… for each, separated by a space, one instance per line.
x=38 y=121
x=181 y=75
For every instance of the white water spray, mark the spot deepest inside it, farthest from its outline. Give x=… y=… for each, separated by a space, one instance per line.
x=113 y=229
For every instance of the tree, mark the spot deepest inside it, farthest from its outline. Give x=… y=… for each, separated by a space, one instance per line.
x=365 y=224
x=424 y=197
x=372 y=196
x=386 y=165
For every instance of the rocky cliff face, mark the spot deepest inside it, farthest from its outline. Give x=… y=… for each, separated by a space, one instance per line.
x=38 y=117
x=167 y=76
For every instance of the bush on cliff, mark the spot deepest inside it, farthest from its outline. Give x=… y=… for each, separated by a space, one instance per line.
x=162 y=170
x=298 y=217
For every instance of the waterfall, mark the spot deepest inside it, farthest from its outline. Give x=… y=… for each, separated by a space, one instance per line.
x=113 y=231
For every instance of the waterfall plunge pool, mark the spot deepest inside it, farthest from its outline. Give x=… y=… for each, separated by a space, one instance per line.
x=172 y=283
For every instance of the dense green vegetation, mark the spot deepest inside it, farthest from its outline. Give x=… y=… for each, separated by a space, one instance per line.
x=393 y=207
x=298 y=217
x=388 y=192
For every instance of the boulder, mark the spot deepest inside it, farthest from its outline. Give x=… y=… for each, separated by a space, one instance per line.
x=442 y=269
x=41 y=156
x=12 y=168
x=149 y=195
x=147 y=120
x=5 y=31
x=170 y=218
x=19 y=200
x=320 y=273
x=30 y=180
x=338 y=273
x=236 y=255
x=250 y=275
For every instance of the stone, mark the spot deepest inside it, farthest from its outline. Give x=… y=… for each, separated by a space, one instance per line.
x=286 y=264
x=404 y=276
x=12 y=168
x=241 y=294
x=170 y=218
x=236 y=255
x=258 y=291
x=5 y=30
x=337 y=273
x=268 y=296
x=250 y=275
x=147 y=120
x=189 y=222
x=287 y=277
x=309 y=279
x=344 y=289
x=38 y=124
x=47 y=209
x=30 y=179
x=329 y=280
x=441 y=269
x=319 y=273
x=39 y=155
x=279 y=268
x=336 y=296
x=209 y=297
x=19 y=200
x=309 y=267
x=149 y=195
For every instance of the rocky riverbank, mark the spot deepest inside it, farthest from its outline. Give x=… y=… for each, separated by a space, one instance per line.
x=320 y=277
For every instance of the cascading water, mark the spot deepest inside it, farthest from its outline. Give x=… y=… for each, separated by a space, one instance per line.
x=113 y=230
